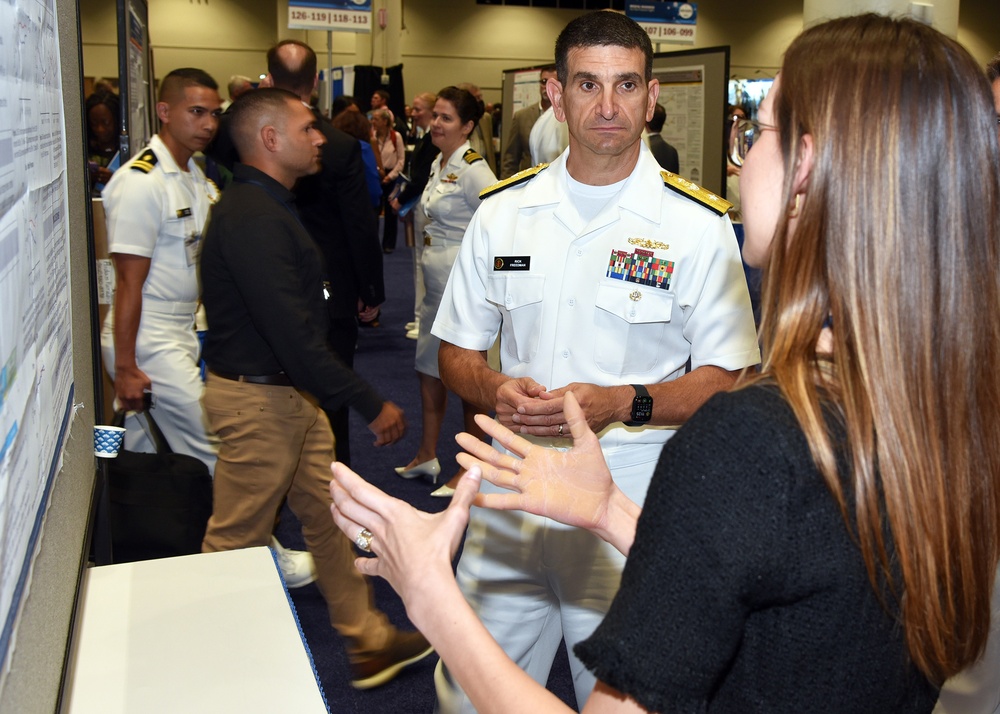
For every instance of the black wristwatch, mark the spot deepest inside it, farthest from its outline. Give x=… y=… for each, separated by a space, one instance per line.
x=642 y=406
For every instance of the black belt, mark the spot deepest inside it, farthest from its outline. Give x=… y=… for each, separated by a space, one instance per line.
x=276 y=380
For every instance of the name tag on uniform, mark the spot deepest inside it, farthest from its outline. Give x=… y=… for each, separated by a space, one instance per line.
x=512 y=262
x=192 y=248
x=183 y=212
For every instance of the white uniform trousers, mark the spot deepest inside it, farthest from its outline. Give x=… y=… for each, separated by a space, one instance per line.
x=167 y=349
x=534 y=582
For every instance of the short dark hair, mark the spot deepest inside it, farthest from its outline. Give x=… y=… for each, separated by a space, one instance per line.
x=384 y=93
x=108 y=99
x=250 y=110
x=99 y=99
x=354 y=123
x=993 y=68
x=468 y=107
x=659 y=116
x=341 y=104
x=180 y=79
x=601 y=28
x=295 y=78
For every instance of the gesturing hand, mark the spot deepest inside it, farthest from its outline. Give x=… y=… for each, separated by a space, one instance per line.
x=573 y=487
x=413 y=549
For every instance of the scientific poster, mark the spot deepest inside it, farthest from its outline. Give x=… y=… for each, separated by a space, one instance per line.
x=682 y=94
x=527 y=90
x=36 y=355
x=138 y=130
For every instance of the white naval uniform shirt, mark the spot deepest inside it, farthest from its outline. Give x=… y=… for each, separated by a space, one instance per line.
x=451 y=195
x=568 y=311
x=161 y=215
x=548 y=138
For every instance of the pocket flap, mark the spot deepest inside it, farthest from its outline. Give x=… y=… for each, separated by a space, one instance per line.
x=635 y=303
x=514 y=291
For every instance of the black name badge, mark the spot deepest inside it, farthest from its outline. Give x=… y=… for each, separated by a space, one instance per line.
x=512 y=262
x=183 y=212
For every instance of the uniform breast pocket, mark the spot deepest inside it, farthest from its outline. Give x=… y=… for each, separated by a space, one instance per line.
x=631 y=324
x=519 y=298
x=446 y=187
x=182 y=234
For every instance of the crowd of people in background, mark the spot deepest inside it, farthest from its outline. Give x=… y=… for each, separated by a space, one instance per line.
x=598 y=362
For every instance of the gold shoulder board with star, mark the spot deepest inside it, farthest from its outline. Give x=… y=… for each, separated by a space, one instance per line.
x=471 y=157
x=692 y=190
x=145 y=162
x=519 y=177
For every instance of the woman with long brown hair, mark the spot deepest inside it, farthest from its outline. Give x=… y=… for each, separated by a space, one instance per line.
x=826 y=537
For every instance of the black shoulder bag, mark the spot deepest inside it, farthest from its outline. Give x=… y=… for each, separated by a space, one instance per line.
x=160 y=503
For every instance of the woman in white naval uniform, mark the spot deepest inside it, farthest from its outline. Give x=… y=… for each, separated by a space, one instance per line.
x=449 y=200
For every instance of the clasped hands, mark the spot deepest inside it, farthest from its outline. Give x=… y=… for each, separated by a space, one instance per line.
x=526 y=407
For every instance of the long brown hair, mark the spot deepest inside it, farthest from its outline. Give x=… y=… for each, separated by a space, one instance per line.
x=896 y=244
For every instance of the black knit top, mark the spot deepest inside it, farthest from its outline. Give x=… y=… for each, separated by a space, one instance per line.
x=743 y=591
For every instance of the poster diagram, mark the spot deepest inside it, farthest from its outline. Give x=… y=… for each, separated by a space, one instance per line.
x=527 y=90
x=682 y=94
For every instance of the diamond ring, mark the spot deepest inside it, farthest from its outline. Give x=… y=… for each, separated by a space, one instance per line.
x=364 y=540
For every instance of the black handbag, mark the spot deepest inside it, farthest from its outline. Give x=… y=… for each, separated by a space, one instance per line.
x=159 y=503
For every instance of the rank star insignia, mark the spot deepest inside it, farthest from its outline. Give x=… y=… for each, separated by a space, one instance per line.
x=648 y=244
x=635 y=296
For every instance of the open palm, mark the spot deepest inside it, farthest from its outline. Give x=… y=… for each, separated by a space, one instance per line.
x=573 y=486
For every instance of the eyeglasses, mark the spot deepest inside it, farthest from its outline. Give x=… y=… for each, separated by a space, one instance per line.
x=746 y=132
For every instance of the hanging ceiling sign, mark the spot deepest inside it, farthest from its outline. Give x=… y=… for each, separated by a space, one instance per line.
x=665 y=21
x=344 y=16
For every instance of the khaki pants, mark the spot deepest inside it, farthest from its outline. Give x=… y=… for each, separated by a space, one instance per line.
x=276 y=443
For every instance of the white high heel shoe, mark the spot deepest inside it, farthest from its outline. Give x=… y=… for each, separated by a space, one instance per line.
x=430 y=468
x=445 y=491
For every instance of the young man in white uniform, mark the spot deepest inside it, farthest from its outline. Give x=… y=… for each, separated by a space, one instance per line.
x=603 y=277
x=156 y=206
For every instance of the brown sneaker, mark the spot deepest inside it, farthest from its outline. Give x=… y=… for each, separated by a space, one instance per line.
x=404 y=649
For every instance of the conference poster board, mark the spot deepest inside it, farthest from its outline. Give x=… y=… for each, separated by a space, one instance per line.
x=520 y=89
x=694 y=90
x=36 y=352
x=135 y=71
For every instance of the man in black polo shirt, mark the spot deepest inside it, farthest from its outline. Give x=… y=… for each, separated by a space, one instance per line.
x=271 y=369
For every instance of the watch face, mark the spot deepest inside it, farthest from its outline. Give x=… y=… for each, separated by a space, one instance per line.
x=642 y=408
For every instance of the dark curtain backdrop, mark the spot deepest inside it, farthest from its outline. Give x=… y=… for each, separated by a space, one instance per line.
x=367 y=79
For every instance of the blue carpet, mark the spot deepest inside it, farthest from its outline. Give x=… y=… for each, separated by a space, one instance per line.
x=385 y=359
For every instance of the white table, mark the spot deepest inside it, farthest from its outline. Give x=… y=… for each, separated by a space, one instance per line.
x=201 y=633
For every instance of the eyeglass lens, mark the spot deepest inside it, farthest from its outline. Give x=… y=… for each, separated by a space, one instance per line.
x=748 y=134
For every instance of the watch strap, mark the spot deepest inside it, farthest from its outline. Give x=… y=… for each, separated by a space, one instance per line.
x=641 y=394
